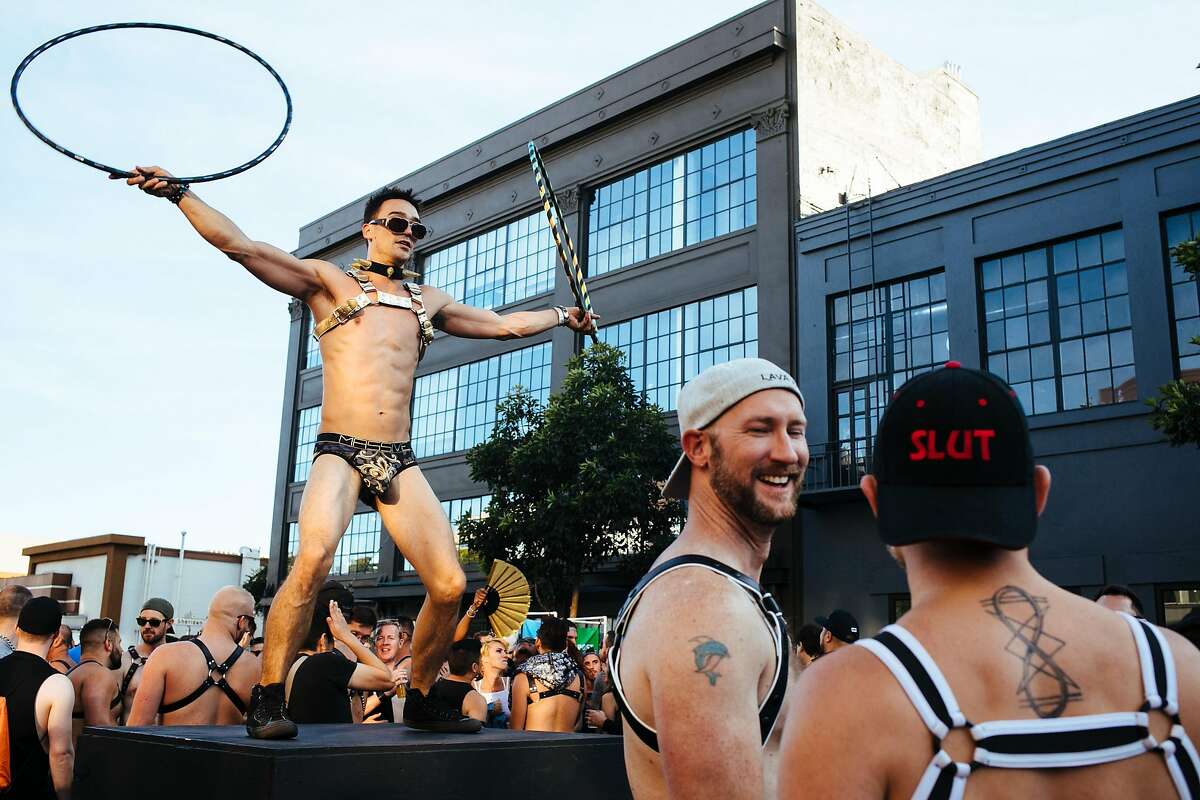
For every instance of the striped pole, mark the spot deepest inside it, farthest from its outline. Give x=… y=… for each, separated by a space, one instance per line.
x=562 y=239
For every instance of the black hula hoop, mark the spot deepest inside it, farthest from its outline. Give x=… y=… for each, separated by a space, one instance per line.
x=164 y=26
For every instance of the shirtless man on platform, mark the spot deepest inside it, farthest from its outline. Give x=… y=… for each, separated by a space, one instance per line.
x=206 y=680
x=373 y=325
x=97 y=676
x=997 y=683
x=155 y=618
x=699 y=663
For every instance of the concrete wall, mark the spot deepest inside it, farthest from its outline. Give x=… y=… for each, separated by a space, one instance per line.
x=867 y=119
x=88 y=574
x=201 y=579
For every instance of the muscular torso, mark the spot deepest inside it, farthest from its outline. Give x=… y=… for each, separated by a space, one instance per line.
x=186 y=669
x=641 y=668
x=369 y=361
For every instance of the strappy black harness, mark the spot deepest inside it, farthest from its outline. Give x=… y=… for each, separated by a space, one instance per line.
x=136 y=660
x=213 y=667
x=768 y=712
x=1049 y=743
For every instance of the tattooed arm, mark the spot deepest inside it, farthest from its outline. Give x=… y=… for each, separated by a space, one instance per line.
x=705 y=671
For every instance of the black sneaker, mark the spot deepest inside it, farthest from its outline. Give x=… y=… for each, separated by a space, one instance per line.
x=267 y=717
x=426 y=714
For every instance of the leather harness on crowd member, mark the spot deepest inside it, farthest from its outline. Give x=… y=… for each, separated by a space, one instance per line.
x=221 y=669
x=136 y=660
x=369 y=296
x=768 y=608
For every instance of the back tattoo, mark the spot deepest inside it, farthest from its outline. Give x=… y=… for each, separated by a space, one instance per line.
x=1046 y=687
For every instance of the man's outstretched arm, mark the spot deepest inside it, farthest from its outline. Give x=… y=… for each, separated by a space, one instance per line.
x=469 y=322
x=276 y=268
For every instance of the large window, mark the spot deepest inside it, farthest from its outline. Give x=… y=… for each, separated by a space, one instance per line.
x=458 y=508
x=1057 y=323
x=881 y=337
x=501 y=266
x=665 y=349
x=312 y=349
x=356 y=553
x=1185 y=296
x=307 y=422
x=456 y=408
x=706 y=192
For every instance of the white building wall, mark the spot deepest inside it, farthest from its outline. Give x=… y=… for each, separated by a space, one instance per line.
x=88 y=574
x=201 y=579
x=866 y=119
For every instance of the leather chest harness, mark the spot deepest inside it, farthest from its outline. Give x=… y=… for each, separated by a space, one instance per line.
x=370 y=296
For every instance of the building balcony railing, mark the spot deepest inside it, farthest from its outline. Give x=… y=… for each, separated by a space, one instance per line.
x=834 y=470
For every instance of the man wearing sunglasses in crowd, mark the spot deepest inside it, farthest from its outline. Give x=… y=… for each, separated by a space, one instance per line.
x=155 y=618
x=205 y=680
x=373 y=324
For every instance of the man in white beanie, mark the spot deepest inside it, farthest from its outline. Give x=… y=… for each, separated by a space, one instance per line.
x=699 y=663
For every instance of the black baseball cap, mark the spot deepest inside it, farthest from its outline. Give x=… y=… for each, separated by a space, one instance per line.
x=841 y=624
x=953 y=461
x=41 y=616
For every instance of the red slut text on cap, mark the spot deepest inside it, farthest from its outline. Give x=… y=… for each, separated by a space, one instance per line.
x=959 y=445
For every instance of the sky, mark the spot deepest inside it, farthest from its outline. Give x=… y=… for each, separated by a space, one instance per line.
x=141 y=372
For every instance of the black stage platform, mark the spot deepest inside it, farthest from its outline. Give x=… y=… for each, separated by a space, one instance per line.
x=341 y=761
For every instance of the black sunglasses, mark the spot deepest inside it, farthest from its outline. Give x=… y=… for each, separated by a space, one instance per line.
x=153 y=623
x=400 y=225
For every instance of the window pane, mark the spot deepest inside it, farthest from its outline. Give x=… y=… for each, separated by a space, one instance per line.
x=656 y=210
x=1089 y=299
x=500 y=266
x=455 y=409
x=900 y=330
x=1185 y=300
x=667 y=348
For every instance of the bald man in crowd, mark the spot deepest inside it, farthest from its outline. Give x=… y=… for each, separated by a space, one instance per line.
x=206 y=680
x=97 y=676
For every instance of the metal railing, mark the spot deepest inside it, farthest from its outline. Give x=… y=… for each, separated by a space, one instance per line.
x=835 y=465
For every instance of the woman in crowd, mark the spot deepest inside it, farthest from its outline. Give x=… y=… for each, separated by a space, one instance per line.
x=547 y=692
x=494 y=684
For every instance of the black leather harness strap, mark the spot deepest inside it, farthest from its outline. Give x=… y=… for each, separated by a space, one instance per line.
x=768 y=712
x=221 y=669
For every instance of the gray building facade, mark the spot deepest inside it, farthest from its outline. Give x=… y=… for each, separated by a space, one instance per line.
x=1049 y=267
x=693 y=185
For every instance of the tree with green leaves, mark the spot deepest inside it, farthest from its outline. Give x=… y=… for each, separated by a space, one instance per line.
x=575 y=483
x=1176 y=411
x=256 y=582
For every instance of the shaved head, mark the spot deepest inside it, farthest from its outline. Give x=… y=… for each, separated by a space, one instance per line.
x=231 y=601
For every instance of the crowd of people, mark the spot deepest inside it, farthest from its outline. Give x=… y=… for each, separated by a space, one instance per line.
x=352 y=667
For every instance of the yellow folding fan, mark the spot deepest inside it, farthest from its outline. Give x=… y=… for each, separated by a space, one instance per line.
x=507 y=602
